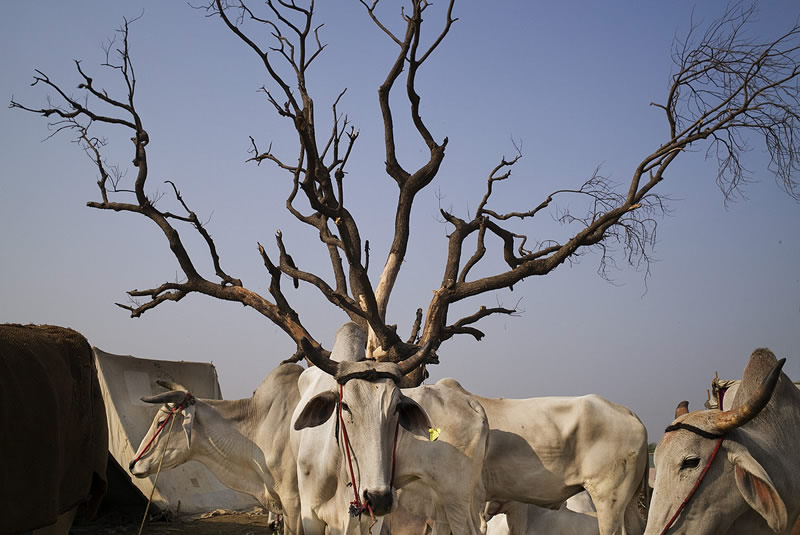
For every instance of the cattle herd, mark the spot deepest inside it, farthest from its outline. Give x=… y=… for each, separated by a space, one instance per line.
x=340 y=448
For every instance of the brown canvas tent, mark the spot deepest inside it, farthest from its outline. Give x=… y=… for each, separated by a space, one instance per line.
x=190 y=488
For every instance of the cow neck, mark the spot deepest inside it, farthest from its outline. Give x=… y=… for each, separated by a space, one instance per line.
x=704 y=434
x=238 y=415
x=229 y=450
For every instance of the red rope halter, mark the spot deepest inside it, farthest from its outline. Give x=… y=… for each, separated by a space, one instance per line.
x=697 y=484
x=357 y=507
x=188 y=400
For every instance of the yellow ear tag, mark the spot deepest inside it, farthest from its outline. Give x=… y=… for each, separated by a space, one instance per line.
x=434 y=433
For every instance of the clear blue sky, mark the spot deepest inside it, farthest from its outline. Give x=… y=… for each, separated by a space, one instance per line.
x=572 y=81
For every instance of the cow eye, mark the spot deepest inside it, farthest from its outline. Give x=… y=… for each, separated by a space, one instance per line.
x=345 y=407
x=161 y=422
x=690 y=462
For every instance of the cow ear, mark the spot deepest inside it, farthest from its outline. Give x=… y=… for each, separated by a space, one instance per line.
x=188 y=421
x=413 y=417
x=317 y=410
x=756 y=486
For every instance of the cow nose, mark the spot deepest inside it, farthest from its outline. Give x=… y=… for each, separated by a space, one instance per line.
x=380 y=502
x=131 y=465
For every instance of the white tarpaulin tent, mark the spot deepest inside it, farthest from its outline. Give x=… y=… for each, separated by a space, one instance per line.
x=190 y=488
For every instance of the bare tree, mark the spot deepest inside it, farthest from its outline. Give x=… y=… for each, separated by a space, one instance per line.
x=725 y=88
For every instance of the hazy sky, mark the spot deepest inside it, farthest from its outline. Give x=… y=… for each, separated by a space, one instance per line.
x=571 y=81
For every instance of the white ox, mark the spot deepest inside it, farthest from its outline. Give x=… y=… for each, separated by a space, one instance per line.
x=373 y=411
x=751 y=483
x=577 y=516
x=544 y=450
x=534 y=520
x=243 y=442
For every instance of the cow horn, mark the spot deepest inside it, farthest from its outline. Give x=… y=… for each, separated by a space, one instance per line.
x=682 y=408
x=414 y=360
x=166 y=397
x=169 y=385
x=320 y=361
x=733 y=418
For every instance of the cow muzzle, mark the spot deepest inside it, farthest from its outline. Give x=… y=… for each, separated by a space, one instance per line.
x=380 y=502
x=137 y=470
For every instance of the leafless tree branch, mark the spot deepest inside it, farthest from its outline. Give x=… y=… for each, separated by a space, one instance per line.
x=463 y=326
x=77 y=115
x=726 y=91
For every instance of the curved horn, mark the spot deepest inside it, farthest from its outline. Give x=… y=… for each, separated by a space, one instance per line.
x=414 y=360
x=682 y=408
x=169 y=385
x=173 y=396
x=731 y=419
x=320 y=361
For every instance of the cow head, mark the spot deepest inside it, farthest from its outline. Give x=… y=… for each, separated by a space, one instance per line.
x=735 y=483
x=176 y=413
x=366 y=403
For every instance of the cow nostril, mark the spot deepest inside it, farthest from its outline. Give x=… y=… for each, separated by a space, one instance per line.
x=131 y=465
x=380 y=502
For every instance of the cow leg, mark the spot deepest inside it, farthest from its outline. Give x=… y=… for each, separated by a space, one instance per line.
x=460 y=520
x=462 y=509
x=610 y=502
x=311 y=524
x=615 y=513
x=634 y=524
x=440 y=523
x=292 y=525
x=610 y=515
x=613 y=497
x=517 y=518
x=292 y=522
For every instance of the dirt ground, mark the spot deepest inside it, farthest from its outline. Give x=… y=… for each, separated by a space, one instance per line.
x=126 y=521
x=253 y=523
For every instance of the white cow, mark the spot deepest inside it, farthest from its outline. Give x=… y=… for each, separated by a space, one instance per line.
x=544 y=450
x=329 y=433
x=576 y=516
x=530 y=519
x=743 y=463
x=581 y=503
x=243 y=442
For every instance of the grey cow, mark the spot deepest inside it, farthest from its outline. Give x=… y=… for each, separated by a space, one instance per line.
x=745 y=460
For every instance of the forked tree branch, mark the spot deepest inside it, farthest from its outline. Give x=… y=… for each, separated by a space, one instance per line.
x=409 y=183
x=726 y=89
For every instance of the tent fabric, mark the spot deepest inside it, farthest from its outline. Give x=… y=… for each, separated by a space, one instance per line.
x=187 y=489
x=53 y=444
